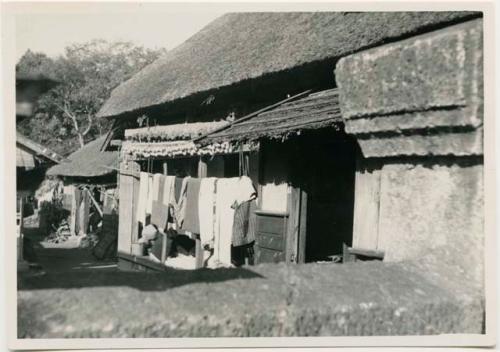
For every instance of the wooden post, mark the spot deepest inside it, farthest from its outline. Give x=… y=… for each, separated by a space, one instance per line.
x=302 y=227
x=84 y=211
x=72 y=225
x=202 y=168
x=20 y=235
x=292 y=230
x=165 y=168
x=202 y=172
x=128 y=190
x=135 y=170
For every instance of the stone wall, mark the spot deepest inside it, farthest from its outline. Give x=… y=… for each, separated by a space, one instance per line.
x=416 y=109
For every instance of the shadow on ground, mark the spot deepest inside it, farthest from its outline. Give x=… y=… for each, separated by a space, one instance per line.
x=144 y=281
x=66 y=268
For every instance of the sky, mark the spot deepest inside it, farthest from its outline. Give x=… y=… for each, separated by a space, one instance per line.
x=50 y=32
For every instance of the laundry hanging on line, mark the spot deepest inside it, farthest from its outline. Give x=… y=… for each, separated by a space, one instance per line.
x=220 y=210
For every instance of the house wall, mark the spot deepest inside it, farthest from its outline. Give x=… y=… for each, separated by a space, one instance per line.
x=419 y=182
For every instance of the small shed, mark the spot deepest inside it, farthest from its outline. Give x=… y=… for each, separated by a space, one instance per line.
x=90 y=178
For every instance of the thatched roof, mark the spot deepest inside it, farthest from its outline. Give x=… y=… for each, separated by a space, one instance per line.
x=27 y=146
x=245 y=46
x=314 y=111
x=88 y=161
x=177 y=132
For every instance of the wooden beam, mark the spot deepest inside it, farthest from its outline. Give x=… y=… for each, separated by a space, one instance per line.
x=99 y=210
x=366 y=252
x=109 y=135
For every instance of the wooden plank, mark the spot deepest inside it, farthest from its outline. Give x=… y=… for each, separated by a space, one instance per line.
x=271 y=213
x=270 y=241
x=141 y=263
x=271 y=224
x=302 y=227
x=366 y=253
x=266 y=255
x=292 y=230
x=125 y=265
x=366 y=204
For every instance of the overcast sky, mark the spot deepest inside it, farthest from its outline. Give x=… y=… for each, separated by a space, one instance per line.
x=51 y=32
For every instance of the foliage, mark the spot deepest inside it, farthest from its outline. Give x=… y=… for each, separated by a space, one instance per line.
x=88 y=72
x=51 y=214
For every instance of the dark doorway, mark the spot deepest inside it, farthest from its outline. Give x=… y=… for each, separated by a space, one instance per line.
x=327 y=161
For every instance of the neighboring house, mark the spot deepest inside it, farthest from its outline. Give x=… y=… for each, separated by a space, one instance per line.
x=368 y=129
x=32 y=159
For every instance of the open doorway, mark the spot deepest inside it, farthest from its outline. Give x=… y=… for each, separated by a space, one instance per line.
x=326 y=161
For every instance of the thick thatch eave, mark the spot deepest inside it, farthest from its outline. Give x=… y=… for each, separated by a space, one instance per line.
x=245 y=46
x=314 y=111
x=88 y=161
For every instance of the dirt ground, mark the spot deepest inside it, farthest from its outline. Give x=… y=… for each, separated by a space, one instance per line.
x=61 y=257
x=74 y=295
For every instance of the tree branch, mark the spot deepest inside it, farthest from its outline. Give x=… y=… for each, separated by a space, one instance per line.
x=89 y=117
x=70 y=115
